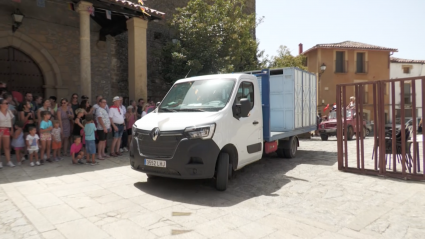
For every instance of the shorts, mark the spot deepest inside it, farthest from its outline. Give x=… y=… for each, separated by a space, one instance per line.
x=90 y=147
x=31 y=151
x=46 y=136
x=56 y=145
x=4 y=132
x=18 y=148
x=120 y=131
x=101 y=135
x=130 y=131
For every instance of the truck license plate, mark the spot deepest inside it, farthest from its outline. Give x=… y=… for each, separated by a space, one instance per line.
x=155 y=163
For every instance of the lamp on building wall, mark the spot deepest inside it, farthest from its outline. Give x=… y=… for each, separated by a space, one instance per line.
x=322 y=69
x=17 y=18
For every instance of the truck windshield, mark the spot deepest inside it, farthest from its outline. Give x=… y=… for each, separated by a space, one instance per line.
x=198 y=96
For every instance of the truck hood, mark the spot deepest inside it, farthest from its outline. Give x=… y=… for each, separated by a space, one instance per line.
x=176 y=121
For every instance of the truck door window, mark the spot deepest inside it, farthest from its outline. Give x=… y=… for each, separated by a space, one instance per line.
x=246 y=90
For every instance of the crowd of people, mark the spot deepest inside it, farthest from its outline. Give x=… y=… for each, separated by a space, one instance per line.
x=44 y=131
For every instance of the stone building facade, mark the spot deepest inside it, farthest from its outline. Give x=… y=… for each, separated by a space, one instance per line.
x=50 y=36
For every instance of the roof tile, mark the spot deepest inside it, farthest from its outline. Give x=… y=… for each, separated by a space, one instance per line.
x=136 y=6
x=351 y=45
x=400 y=60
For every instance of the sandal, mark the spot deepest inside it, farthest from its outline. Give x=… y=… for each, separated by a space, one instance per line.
x=118 y=153
x=100 y=158
x=106 y=156
x=113 y=155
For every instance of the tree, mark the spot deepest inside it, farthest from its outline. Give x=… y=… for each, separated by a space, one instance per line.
x=285 y=59
x=211 y=36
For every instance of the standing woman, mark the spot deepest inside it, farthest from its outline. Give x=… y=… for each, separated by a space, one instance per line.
x=134 y=104
x=27 y=117
x=85 y=104
x=130 y=117
x=46 y=107
x=6 y=130
x=65 y=114
x=53 y=103
x=74 y=103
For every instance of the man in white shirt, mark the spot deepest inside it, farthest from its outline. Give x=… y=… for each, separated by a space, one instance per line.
x=116 y=116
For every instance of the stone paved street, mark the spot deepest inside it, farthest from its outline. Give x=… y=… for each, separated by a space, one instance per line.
x=305 y=197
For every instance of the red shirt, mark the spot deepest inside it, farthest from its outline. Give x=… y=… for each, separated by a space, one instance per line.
x=76 y=148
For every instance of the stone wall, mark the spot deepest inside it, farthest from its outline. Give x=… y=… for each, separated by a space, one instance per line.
x=56 y=29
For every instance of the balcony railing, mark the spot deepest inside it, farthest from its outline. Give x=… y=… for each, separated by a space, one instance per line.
x=362 y=67
x=341 y=66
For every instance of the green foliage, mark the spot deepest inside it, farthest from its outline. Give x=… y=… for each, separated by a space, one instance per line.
x=285 y=59
x=211 y=36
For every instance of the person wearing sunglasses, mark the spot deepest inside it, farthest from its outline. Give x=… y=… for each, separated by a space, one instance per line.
x=65 y=115
x=6 y=130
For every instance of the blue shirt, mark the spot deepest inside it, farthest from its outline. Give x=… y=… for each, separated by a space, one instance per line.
x=89 y=130
x=45 y=125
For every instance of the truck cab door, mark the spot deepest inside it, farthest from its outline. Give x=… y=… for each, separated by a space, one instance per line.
x=248 y=137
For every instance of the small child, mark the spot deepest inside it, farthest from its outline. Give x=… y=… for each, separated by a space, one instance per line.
x=56 y=142
x=76 y=152
x=89 y=132
x=18 y=142
x=33 y=145
x=46 y=134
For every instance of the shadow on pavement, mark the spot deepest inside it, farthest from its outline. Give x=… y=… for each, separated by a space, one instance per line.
x=262 y=178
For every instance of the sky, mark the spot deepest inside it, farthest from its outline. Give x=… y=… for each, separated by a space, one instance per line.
x=396 y=24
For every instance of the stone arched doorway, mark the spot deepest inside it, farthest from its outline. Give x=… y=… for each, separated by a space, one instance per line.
x=20 y=72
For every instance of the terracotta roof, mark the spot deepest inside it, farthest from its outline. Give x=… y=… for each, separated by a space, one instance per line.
x=351 y=45
x=400 y=60
x=135 y=6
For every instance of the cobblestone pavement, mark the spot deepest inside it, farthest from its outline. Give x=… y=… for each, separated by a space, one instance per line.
x=304 y=197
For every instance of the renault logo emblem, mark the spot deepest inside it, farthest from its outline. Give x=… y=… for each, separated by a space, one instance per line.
x=155 y=133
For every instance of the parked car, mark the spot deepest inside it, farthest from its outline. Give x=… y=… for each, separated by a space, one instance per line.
x=328 y=128
x=408 y=122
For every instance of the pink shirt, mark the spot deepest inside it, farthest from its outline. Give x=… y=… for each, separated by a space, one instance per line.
x=76 y=148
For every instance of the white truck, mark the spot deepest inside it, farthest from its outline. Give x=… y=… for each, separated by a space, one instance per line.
x=210 y=126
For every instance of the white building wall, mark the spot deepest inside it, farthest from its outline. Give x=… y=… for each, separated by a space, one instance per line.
x=396 y=72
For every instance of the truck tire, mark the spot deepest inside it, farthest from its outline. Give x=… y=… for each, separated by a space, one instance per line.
x=350 y=133
x=324 y=137
x=291 y=149
x=222 y=173
x=367 y=132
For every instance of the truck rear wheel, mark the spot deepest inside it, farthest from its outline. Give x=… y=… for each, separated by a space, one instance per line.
x=350 y=133
x=291 y=149
x=324 y=137
x=222 y=173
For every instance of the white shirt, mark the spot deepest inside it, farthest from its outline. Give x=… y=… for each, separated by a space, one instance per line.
x=101 y=113
x=32 y=141
x=97 y=106
x=6 y=120
x=116 y=115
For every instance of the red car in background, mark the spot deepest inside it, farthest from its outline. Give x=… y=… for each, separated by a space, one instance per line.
x=328 y=128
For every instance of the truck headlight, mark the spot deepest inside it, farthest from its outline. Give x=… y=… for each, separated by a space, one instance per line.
x=200 y=132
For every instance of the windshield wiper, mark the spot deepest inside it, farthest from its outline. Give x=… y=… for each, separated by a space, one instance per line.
x=166 y=110
x=191 y=110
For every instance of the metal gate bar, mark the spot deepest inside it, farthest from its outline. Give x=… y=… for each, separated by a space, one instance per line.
x=400 y=151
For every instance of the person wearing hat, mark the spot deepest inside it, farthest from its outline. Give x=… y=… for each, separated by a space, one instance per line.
x=116 y=116
x=130 y=119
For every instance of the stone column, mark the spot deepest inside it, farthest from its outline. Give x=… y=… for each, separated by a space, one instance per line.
x=137 y=58
x=85 y=54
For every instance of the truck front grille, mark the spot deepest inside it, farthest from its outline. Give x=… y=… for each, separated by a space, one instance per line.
x=164 y=146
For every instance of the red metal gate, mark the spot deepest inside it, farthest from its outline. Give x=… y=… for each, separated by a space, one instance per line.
x=20 y=72
x=396 y=146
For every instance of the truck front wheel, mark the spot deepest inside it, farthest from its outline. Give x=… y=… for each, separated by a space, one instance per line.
x=222 y=173
x=324 y=137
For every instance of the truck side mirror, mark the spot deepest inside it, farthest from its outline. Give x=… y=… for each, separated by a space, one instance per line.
x=245 y=107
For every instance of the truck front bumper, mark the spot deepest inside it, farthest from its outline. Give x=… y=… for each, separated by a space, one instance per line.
x=327 y=131
x=192 y=159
